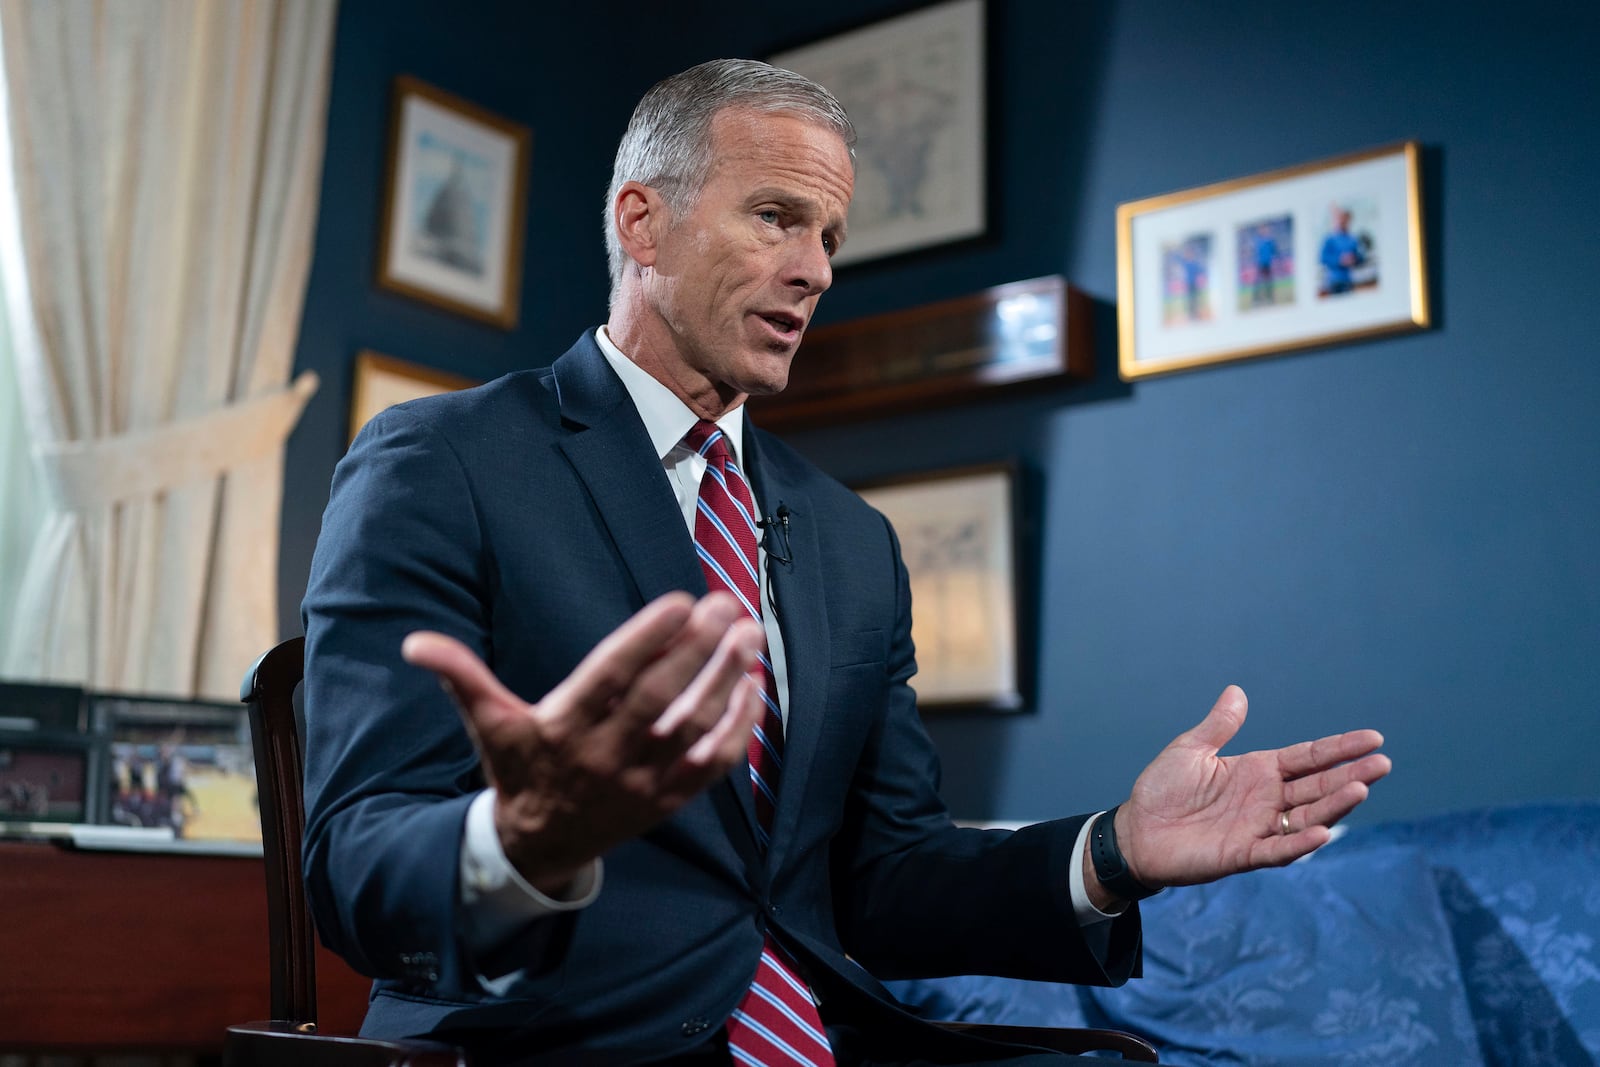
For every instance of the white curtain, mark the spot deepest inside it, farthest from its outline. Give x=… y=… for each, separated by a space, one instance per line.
x=166 y=156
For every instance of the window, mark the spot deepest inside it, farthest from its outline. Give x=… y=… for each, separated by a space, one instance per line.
x=21 y=501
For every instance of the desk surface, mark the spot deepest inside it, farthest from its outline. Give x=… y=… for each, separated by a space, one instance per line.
x=137 y=952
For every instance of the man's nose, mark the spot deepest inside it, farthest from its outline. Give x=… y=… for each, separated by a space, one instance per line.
x=811 y=269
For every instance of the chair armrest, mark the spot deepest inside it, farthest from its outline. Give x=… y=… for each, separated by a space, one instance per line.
x=285 y=1044
x=1061 y=1039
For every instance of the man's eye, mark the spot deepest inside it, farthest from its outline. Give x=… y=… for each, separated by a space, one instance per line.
x=769 y=217
x=829 y=246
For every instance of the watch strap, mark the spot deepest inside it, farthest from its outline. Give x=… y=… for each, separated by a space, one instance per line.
x=1110 y=866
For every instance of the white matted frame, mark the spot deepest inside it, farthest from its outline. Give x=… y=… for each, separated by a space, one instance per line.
x=383 y=381
x=454 y=204
x=957 y=531
x=914 y=88
x=1309 y=255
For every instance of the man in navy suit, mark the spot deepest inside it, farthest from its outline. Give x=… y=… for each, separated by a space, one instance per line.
x=573 y=868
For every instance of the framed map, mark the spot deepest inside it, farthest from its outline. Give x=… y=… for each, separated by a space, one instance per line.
x=914 y=87
x=958 y=538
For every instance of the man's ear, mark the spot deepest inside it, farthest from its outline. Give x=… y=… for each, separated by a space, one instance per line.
x=640 y=216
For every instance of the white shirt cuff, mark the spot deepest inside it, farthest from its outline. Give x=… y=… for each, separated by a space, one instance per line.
x=496 y=901
x=1082 y=906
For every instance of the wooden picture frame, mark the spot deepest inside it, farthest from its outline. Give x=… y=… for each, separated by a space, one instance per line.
x=914 y=86
x=455 y=204
x=382 y=381
x=958 y=537
x=1306 y=256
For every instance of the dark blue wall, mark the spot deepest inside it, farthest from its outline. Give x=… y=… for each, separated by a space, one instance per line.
x=1399 y=534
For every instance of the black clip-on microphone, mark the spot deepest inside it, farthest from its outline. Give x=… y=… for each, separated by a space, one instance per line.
x=777 y=547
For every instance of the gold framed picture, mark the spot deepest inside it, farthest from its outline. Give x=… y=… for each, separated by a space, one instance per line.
x=383 y=381
x=1295 y=258
x=454 y=204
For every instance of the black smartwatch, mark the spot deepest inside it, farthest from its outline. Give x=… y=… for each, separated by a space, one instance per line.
x=1109 y=865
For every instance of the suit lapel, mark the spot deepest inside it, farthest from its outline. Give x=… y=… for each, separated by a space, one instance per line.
x=797 y=596
x=609 y=449
x=612 y=454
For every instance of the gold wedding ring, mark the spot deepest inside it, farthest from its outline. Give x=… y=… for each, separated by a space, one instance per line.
x=1283 y=821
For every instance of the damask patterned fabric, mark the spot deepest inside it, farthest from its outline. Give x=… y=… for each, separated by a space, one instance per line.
x=1521 y=890
x=1460 y=939
x=1342 y=962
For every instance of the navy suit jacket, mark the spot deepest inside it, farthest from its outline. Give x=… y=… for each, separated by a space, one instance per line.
x=529 y=518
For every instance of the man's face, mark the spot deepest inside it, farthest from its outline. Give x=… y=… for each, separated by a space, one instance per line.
x=736 y=279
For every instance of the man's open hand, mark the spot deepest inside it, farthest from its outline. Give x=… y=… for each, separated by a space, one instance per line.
x=659 y=710
x=1195 y=816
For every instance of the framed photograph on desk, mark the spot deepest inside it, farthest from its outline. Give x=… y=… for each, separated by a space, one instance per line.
x=182 y=765
x=49 y=761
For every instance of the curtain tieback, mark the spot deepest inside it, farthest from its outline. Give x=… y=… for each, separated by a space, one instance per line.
x=84 y=474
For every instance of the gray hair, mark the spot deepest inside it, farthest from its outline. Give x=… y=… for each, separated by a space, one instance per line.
x=667 y=145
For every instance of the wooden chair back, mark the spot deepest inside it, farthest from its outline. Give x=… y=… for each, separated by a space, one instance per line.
x=290 y=1038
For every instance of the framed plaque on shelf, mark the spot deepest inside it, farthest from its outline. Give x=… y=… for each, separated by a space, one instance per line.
x=1029 y=332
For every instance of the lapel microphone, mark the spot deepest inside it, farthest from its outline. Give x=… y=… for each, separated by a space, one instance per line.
x=775 y=535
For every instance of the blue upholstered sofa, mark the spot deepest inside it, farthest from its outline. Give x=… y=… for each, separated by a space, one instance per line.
x=1451 y=941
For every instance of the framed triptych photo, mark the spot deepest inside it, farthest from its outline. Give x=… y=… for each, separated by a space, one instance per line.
x=1306 y=256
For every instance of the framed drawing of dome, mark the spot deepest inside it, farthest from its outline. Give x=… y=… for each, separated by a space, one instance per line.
x=455 y=204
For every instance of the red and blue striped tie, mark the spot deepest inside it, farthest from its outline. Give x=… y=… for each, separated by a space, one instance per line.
x=776 y=1024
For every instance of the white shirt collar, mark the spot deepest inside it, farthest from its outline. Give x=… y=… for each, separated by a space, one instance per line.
x=666 y=418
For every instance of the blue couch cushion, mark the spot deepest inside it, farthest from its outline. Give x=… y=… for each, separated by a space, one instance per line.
x=1521 y=889
x=1340 y=961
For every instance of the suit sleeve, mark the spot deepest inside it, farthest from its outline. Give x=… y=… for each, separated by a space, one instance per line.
x=390 y=769
x=916 y=896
